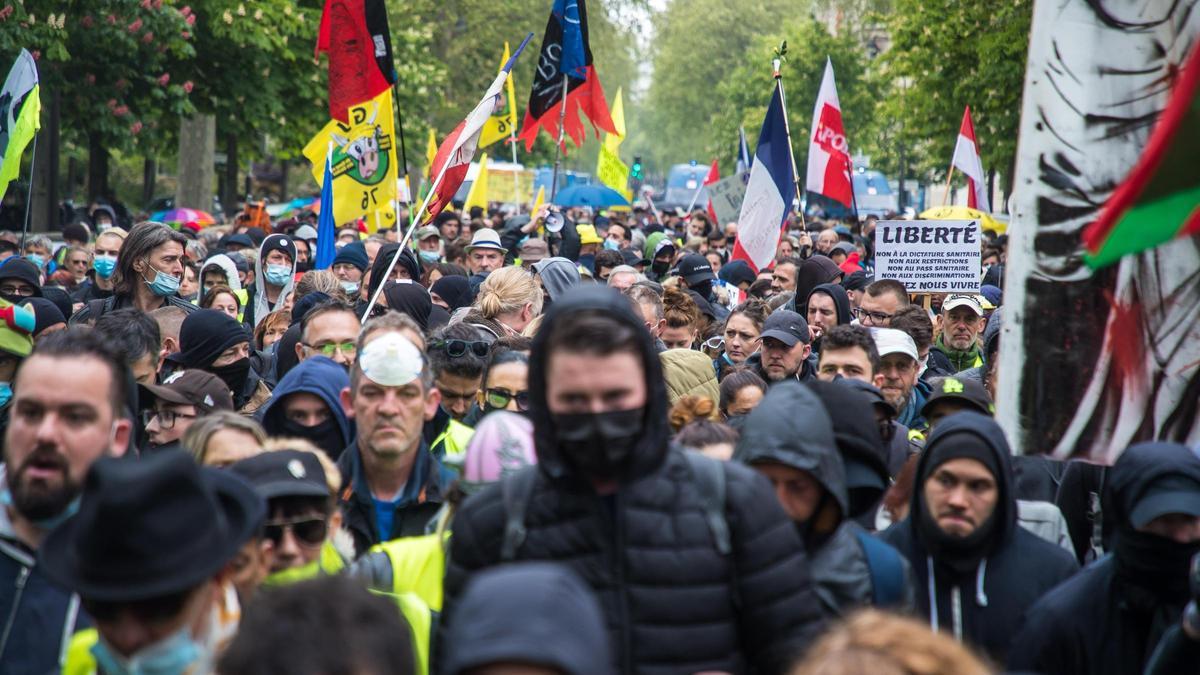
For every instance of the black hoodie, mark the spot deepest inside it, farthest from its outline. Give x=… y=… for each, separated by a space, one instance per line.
x=984 y=605
x=790 y=427
x=841 y=303
x=672 y=602
x=1110 y=617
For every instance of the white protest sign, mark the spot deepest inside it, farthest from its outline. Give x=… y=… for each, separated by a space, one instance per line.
x=726 y=195
x=929 y=256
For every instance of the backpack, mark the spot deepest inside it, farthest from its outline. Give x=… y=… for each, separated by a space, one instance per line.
x=707 y=472
x=887 y=572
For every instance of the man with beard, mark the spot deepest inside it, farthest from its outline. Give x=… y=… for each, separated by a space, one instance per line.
x=67 y=412
x=182 y=398
x=897 y=376
x=785 y=350
x=1109 y=618
x=977 y=571
x=695 y=564
x=962 y=321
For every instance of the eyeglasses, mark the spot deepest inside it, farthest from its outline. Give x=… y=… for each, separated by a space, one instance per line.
x=714 y=342
x=23 y=290
x=876 y=317
x=349 y=348
x=309 y=530
x=458 y=348
x=166 y=418
x=499 y=398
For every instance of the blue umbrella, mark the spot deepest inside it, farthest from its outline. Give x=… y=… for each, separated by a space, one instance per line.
x=595 y=196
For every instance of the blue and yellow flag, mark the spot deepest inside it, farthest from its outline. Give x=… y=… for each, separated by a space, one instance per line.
x=20 y=116
x=363 y=163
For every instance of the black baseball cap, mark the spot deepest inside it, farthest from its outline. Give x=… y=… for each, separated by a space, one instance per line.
x=969 y=392
x=196 y=388
x=283 y=473
x=788 y=327
x=694 y=269
x=1170 y=493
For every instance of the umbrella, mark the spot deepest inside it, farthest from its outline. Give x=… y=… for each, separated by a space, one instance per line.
x=596 y=196
x=986 y=221
x=182 y=216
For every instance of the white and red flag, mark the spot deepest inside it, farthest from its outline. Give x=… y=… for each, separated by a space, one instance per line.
x=714 y=175
x=828 y=150
x=967 y=160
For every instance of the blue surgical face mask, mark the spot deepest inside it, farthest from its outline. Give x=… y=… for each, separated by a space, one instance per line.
x=430 y=256
x=44 y=524
x=104 y=266
x=278 y=275
x=611 y=245
x=170 y=656
x=36 y=259
x=164 y=284
x=351 y=287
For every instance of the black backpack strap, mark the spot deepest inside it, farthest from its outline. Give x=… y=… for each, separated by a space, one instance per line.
x=710 y=480
x=516 y=491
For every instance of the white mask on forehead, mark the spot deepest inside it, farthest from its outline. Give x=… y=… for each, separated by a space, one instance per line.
x=391 y=360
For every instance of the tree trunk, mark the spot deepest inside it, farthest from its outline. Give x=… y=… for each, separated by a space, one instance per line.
x=43 y=214
x=229 y=196
x=283 y=180
x=197 y=144
x=72 y=178
x=149 y=174
x=991 y=188
x=97 y=169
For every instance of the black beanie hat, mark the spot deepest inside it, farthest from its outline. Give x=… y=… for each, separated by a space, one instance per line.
x=204 y=335
x=960 y=444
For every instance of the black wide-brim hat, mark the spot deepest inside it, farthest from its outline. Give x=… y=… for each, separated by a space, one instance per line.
x=151 y=527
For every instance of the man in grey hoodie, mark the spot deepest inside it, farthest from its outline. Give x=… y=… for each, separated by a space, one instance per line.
x=556 y=275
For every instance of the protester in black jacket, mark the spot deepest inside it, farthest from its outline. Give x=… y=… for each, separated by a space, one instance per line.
x=614 y=501
x=1110 y=617
x=977 y=571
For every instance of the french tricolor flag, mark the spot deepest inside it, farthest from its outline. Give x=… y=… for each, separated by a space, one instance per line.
x=769 y=193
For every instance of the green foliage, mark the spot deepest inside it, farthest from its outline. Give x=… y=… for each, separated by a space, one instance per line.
x=111 y=61
x=958 y=53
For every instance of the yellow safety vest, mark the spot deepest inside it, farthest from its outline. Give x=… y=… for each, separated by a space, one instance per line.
x=420 y=619
x=418 y=566
x=330 y=562
x=454 y=439
x=79 y=653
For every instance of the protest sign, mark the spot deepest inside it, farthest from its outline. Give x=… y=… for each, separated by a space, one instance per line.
x=726 y=196
x=929 y=256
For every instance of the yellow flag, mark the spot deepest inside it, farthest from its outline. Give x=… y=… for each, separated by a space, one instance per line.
x=503 y=121
x=539 y=200
x=612 y=171
x=364 y=163
x=613 y=141
x=478 y=195
x=431 y=148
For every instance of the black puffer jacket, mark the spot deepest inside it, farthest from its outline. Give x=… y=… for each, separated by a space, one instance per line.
x=672 y=602
x=985 y=605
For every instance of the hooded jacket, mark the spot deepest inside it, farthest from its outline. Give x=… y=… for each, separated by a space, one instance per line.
x=991 y=334
x=323 y=378
x=227 y=267
x=813 y=272
x=257 y=304
x=1110 y=617
x=790 y=427
x=37 y=617
x=535 y=613
x=558 y=274
x=672 y=602
x=984 y=605
x=841 y=305
x=687 y=372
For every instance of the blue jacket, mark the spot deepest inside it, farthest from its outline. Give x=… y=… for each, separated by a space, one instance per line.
x=317 y=375
x=37 y=618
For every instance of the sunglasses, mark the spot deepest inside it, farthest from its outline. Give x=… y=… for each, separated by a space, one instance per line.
x=499 y=398
x=715 y=342
x=309 y=531
x=458 y=348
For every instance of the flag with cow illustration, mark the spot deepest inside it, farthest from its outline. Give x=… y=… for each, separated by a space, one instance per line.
x=363 y=163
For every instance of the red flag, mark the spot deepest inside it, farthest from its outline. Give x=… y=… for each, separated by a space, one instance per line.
x=828 y=149
x=714 y=175
x=356 y=36
x=967 y=160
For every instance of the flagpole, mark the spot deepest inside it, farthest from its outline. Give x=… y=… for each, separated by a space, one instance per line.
x=787 y=129
x=400 y=126
x=412 y=224
x=949 y=177
x=29 y=193
x=562 y=134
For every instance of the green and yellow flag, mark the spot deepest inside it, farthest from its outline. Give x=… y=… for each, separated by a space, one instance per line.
x=503 y=122
x=20 y=115
x=431 y=148
x=364 y=163
x=478 y=194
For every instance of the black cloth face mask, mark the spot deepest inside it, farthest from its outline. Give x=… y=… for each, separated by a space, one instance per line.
x=599 y=445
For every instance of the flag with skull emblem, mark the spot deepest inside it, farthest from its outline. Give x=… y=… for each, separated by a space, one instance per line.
x=363 y=162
